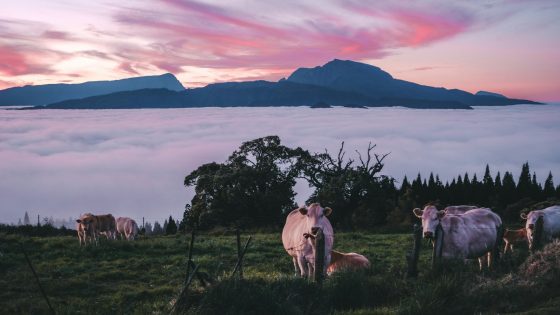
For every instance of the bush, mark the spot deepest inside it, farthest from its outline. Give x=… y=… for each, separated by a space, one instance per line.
x=33 y=230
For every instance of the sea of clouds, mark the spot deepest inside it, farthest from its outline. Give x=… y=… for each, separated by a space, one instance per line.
x=62 y=163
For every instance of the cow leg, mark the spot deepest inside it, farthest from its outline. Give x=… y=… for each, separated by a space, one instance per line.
x=506 y=248
x=310 y=269
x=482 y=261
x=302 y=266
x=296 y=268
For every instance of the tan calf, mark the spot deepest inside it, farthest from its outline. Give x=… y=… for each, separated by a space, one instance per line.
x=514 y=237
x=346 y=261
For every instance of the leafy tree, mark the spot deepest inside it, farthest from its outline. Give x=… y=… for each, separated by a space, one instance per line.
x=253 y=187
x=171 y=227
x=355 y=190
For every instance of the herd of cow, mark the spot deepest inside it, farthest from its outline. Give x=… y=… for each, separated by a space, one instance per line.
x=90 y=227
x=469 y=232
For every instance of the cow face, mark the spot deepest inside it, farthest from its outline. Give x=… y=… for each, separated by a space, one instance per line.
x=315 y=218
x=430 y=219
x=531 y=218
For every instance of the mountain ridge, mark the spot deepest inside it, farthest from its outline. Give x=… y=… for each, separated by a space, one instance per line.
x=338 y=82
x=56 y=92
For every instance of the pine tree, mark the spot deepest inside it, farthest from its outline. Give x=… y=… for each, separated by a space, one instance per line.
x=509 y=190
x=536 y=188
x=524 y=183
x=26 y=220
x=19 y=222
x=157 y=230
x=498 y=183
x=405 y=185
x=549 y=190
x=148 y=228
x=171 y=227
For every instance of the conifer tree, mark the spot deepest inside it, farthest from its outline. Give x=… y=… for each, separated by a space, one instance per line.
x=524 y=183
x=549 y=190
x=26 y=220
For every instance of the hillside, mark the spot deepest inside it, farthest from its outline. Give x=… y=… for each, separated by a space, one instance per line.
x=146 y=276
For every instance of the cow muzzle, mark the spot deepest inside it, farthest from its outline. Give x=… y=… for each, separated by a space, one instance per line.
x=428 y=234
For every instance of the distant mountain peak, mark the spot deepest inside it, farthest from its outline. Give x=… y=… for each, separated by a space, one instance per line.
x=343 y=73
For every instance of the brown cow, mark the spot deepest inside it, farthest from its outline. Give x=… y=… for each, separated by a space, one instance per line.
x=94 y=225
x=514 y=237
x=346 y=261
x=87 y=228
x=81 y=234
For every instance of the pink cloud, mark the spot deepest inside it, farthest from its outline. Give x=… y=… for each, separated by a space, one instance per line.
x=55 y=35
x=127 y=68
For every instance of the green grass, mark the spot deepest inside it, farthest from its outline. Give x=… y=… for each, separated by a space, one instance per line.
x=146 y=276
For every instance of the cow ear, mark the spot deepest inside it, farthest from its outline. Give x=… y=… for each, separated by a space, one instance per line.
x=327 y=211
x=418 y=212
x=523 y=216
x=303 y=210
x=79 y=221
x=441 y=213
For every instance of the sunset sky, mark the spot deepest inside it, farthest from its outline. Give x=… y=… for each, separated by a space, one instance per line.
x=510 y=47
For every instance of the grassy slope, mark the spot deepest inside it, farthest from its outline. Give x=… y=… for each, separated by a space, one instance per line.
x=146 y=275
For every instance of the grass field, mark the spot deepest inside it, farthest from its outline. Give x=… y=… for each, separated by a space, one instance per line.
x=145 y=277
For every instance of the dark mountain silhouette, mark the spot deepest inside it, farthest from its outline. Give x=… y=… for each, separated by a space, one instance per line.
x=373 y=82
x=486 y=93
x=50 y=93
x=341 y=83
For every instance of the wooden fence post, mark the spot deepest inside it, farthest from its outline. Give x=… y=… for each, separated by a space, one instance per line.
x=497 y=250
x=412 y=256
x=319 y=257
x=240 y=258
x=239 y=254
x=438 y=246
x=189 y=256
x=537 y=235
x=37 y=279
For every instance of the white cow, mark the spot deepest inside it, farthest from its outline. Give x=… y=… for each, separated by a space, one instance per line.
x=298 y=237
x=551 y=223
x=465 y=236
x=458 y=209
x=127 y=228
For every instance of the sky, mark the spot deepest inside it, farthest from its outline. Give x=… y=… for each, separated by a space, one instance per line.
x=505 y=46
x=63 y=163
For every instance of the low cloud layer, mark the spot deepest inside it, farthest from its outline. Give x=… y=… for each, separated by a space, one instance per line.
x=133 y=162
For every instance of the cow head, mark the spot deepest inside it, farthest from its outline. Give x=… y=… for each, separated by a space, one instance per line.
x=430 y=219
x=87 y=223
x=315 y=217
x=531 y=218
